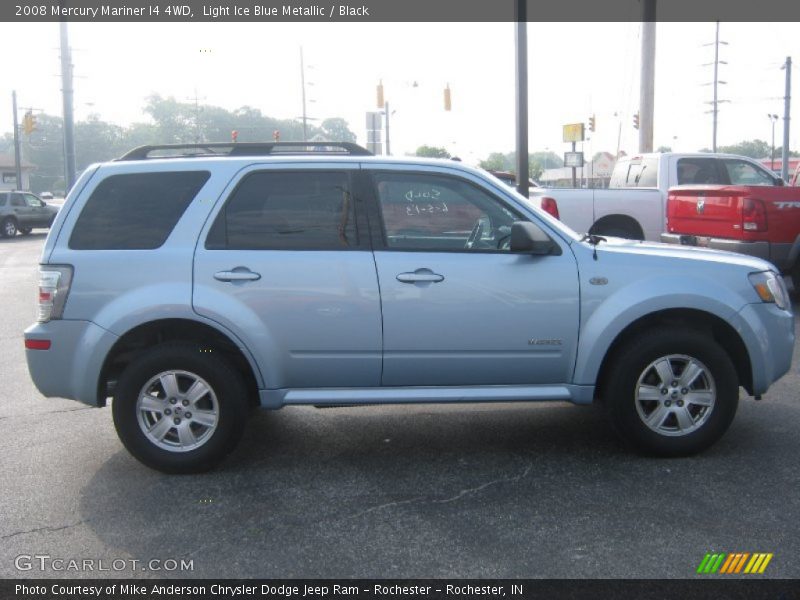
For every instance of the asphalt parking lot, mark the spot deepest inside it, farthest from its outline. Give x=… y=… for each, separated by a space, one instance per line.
x=540 y=490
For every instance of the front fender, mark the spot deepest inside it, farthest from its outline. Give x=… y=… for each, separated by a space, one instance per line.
x=607 y=319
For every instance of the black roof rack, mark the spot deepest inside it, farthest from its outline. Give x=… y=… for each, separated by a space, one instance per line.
x=244 y=149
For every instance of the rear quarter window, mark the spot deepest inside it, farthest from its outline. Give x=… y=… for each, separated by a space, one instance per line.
x=135 y=211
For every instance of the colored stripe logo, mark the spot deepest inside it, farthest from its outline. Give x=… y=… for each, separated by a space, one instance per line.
x=734 y=563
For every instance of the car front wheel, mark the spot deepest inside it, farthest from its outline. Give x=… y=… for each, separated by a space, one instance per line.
x=8 y=228
x=180 y=408
x=671 y=392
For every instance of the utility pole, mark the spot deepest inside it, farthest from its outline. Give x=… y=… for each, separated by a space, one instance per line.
x=716 y=101
x=17 y=158
x=647 y=88
x=386 y=111
x=787 y=99
x=197 y=137
x=521 y=97
x=69 y=116
x=303 y=85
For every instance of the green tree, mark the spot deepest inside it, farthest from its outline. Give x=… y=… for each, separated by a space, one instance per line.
x=496 y=161
x=751 y=148
x=336 y=130
x=432 y=152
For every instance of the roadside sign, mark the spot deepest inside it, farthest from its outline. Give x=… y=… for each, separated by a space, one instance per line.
x=573 y=132
x=573 y=159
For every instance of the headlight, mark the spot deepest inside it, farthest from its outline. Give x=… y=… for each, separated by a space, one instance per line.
x=770 y=288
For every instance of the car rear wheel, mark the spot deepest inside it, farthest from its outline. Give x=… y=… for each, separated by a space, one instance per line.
x=671 y=392
x=180 y=408
x=8 y=228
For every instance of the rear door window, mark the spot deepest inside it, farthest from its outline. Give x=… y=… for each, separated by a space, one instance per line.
x=135 y=211
x=288 y=210
x=699 y=170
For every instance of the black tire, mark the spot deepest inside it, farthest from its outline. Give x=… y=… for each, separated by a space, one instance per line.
x=25 y=230
x=706 y=425
x=227 y=389
x=8 y=228
x=795 y=272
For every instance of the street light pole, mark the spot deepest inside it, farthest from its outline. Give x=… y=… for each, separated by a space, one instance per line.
x=772 y=119
x=303 y=86
x=521 y=96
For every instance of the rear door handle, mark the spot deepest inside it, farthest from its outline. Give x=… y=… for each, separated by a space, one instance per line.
x=237 y=274
x=420 y=276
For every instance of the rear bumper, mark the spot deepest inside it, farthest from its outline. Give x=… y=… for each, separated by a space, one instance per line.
x=71 y=367
x=779 y=254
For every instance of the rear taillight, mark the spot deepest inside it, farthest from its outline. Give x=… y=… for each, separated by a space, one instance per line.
x=549 y=205
x=754 y=215
x=54 y=282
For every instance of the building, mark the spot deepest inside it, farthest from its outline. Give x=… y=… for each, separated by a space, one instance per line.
x=8 y=173
x=595 y=174
x=793 y=162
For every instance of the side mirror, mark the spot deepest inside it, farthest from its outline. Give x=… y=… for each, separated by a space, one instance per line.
x=529 y=237
x=779 y=181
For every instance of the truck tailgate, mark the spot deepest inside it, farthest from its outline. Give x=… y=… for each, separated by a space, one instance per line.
x=735 y=212
x=706 y=210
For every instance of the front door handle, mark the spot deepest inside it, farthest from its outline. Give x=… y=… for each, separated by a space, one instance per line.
x=420 y=276
x=237 y=274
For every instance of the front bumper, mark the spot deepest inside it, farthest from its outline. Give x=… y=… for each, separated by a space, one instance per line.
x=71 y=367
x=777 y=254
x=768 y=334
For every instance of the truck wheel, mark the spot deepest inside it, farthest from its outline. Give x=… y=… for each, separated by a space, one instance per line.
x=671 y=392
x=8 y=228
x=796 y=277
x=180 y=408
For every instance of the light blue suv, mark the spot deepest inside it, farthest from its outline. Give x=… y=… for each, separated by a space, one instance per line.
x=190 y=283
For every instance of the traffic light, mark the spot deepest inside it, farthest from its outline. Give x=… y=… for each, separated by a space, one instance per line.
x=636 y=120
x=381 y=103
x=28 y=123
x=447 y=101
x=234 y=136
x=276 y=135
x=591 y=123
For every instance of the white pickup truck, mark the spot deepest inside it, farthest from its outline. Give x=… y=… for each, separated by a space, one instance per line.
x=634 y=205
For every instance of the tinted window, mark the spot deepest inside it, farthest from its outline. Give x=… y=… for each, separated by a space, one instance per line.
x=302 y=210
x=430 y=212
x=32 y=201
x=745 y=173
x=3 y=199
x=698 y=171
x=136 y=211
x=16 y=200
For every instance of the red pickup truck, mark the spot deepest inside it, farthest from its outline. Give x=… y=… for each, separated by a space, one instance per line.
x=752 y=218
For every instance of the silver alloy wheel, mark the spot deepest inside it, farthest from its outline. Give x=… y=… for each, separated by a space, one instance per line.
x=9 y=228
x=675 y=395
x=177 y=411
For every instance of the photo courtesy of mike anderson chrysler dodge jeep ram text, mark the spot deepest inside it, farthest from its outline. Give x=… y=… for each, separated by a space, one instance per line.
x=191 y=283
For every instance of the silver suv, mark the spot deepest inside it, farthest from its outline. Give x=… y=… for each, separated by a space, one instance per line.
x=190 y=283
x=23 y=211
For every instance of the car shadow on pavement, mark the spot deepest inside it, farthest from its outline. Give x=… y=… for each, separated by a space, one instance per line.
x=34 y=235
x=423 y=491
